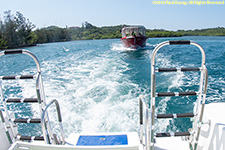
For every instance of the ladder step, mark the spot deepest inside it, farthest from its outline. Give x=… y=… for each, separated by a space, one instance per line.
x=177 y=69
x=172 y=134
x=21 y=100
x=30 y=138
x=27 y=120
x=14 y=77
x=180 y=42
x=183 y=115
x=19 y=51
x=164 y=94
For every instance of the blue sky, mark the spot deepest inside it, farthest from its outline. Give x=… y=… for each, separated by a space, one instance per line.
x=43 y=13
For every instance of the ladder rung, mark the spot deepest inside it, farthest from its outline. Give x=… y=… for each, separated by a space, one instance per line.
x=177 y=69
x=191 y=69
x=17 y=77
x=21 y=100
x=30 y=138
x=166 y=70
x=172 y=134
x=164 y=94
x=19 y=51
x=180 y=42
x=27 y=120
x=183 y=115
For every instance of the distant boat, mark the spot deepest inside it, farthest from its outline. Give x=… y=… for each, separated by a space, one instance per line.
x=134 y=37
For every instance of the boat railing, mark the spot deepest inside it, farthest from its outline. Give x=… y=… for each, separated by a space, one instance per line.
x=49 y=136
x=197 y=115
x=144 y=123
x=40 y=100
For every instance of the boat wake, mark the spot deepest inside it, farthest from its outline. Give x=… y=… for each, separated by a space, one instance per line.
x=90 y=90
x=101 y=87
x=121 y=48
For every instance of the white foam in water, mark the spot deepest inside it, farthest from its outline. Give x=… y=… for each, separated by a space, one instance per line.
x=172 y=81
x=93 y=93
x=120 y=47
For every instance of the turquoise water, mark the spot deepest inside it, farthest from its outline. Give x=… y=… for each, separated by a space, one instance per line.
x=98 y=82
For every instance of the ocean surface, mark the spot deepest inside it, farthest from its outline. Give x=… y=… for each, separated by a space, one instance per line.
x=98 y=82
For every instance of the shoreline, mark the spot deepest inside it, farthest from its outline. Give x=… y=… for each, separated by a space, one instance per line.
x=36 y=44
x=20 y=46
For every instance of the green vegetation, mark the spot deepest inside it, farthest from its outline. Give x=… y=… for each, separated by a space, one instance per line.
x=162 y=33
x=51 y=34
x=17 y=31
x=88 y=32
x=219 y=31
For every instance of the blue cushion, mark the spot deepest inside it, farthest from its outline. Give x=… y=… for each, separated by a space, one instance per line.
x=98 y=140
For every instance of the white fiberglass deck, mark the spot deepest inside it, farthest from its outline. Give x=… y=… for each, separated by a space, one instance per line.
x=107 y=141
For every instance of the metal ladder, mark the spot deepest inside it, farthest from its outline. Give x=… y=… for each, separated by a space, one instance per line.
x=193 y=135
x=10 y=130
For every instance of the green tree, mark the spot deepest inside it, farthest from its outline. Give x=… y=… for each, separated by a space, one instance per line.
x=24 y=29
x=87 y=25
x=9 y=30
x=15 y=31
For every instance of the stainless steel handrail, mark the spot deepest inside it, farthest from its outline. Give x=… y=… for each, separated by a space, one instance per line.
x=17 y=51
x=44 y=126
x=144 y=125
x=200 y=119
x=201 y=99
x=39 y=85
x=22 y=51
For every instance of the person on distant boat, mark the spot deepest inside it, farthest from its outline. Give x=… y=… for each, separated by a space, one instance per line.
x=133 y=34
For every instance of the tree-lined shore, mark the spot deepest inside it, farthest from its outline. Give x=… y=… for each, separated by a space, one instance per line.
x=17 y=31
